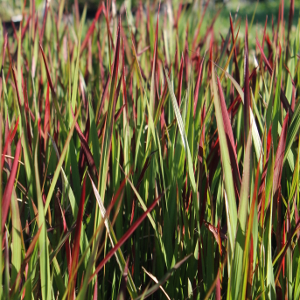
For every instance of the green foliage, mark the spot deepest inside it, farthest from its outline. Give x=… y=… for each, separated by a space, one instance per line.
x=144 y=156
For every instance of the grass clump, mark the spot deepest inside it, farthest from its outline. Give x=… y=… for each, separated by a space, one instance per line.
x=144 y=156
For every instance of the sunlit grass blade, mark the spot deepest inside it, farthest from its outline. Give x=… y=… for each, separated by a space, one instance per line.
x=156 y=281
x=181 y=128
x=154 y=288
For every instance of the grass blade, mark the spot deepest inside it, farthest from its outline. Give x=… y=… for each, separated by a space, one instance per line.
x=225 y=159
x=7 y=194
x=181 y=128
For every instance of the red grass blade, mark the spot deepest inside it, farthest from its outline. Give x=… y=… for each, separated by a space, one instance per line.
x=4 y=50
x=237 y=74
x=115 y=198
x=85 y=147
x=31 y=248
x=91 y=28
x=124 y=92
x=8 y=141
x=180 y=82
x=282 y=245
x=67 y=243
x=154 y=67
x=47 y=70
x=95 y=296
x=47 y=118
x=250 y=271
x=116 y=59
x=246 y=89
x=9 y=186
x=195 y=40
x=126 y=236
x=280 y=154
x=264 y=57
x=230 y=137
x=24 y=29
x=283 y=251
x=197 y=87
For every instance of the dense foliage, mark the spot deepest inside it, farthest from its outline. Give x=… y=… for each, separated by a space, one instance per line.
x=143 y=154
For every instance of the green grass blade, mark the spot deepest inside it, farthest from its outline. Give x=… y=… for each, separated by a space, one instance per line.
x=181 y=128
x=43 y=245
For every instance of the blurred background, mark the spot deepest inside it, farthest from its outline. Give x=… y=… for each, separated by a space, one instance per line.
x=11 y=9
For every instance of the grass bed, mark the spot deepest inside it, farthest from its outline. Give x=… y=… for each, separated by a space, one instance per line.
x=145 y=155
